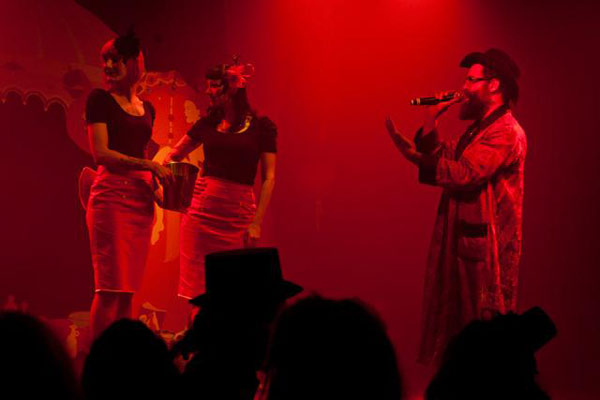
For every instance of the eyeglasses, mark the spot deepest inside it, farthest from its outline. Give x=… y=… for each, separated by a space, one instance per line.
x=473 y=79
x=115 y=58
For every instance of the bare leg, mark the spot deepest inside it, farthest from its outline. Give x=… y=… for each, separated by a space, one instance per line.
x=103 y=312
x=124 y=303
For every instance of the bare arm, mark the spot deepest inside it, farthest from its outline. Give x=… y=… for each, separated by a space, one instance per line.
x=184 y=147
x=267 y=162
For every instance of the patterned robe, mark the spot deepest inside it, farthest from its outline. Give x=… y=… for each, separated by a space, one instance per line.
x=473 y=263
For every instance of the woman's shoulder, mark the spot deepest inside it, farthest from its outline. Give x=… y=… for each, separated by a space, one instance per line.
x=265 y=123
x=98 y=106
x=200 y=129
x=204 y=122
x=98 y=98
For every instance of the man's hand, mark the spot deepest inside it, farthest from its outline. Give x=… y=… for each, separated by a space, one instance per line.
x=432 y=113
x=404 y=144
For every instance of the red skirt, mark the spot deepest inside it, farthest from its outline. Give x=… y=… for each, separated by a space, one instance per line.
x=216 y=220
x=119 y=217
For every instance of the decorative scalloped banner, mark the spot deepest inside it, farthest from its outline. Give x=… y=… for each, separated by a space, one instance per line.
x=50 y=49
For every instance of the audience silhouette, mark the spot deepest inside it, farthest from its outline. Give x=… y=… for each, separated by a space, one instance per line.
x=229 y=336
x=494 y=359
x=35 y=363
x=128 y=361
x=319 y=349
x=331 y=349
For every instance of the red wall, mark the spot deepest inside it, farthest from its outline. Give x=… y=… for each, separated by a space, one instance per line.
x=349 y=216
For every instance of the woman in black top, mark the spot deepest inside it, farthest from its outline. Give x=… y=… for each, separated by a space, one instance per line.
x=223 y=214
x=120 y=208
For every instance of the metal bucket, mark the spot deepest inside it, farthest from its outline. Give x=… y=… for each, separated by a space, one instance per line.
x=178 y=195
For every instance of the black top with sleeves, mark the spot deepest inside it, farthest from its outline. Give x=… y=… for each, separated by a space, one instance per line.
x=127 y=134
x=234 y=156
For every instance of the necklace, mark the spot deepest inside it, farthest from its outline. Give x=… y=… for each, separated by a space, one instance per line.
x=221 y=127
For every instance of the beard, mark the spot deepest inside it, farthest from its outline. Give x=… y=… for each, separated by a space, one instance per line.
x=472 y=109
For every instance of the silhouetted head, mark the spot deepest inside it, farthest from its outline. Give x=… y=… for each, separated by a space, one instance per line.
x=129 y=361
x=34 y=362
x=244 y=290
x=494 y=359
x=331 y=349
x=248 y=278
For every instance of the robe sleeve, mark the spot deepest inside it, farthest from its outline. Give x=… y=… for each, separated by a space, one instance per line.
x=479 y=162
x=432 y=149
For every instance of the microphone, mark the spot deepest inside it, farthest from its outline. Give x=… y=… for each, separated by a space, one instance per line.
x=432 y=101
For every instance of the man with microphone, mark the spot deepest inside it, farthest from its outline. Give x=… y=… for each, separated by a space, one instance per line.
x=473 y=262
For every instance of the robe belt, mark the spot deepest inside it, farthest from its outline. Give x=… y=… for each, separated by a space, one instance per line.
x=468 y=229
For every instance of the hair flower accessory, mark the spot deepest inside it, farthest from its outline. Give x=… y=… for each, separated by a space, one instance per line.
x=238 y=74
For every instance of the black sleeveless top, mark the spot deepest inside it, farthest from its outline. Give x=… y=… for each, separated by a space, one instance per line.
x=127 y=134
